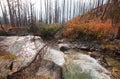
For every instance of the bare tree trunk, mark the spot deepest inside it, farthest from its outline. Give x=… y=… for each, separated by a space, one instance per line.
x=41 y=11
x=10 y=13
x=31 y=9
x=56 y=12
x=115 y=16
x=118 y=33
x=2 y=27
x=4 y=12
x=63 y=12
x=70 y=15
x=50 y=14
x=105 y=10
x=19 y=17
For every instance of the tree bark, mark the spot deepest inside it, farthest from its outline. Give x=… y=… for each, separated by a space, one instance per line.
x=118 y=33
x=4 y=31
x=10 y=13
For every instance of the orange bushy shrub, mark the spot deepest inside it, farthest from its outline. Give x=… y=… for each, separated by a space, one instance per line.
x=93 y=28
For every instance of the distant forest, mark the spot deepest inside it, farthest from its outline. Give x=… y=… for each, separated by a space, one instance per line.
x=20 y=13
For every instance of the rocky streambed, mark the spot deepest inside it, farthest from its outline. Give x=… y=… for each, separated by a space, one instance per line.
x=55 y=64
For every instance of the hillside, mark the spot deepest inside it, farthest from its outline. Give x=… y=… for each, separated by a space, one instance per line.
x=100 y=24
x=97 y=21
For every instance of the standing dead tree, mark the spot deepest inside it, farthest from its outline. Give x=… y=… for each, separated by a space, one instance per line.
x=63 y=12
x=115 y=15
x=112 y=11
x=19 y=17
x=11 y=13
x=2 y=27
x=4 y=12
x=56 y=12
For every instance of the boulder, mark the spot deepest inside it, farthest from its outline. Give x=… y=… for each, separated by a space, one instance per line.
x=55 y=56
x=74 y=66
x=84 y=67
x=47 y=70
x=85 y=48
x=64 y=47
x=26 y=49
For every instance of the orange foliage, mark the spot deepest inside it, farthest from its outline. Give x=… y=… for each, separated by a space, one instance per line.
x=105 y=28
x=96 y=26
x=71 y=31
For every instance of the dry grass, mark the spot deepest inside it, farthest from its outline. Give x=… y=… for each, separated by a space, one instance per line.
x=7 y=55
x=9 y=27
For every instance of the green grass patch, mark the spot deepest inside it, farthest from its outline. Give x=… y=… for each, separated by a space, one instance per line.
x=48 y=30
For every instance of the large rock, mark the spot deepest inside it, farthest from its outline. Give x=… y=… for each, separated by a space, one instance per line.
x=82 y=66
x=50 y=70
x=26 y=47
x=55 y=56
x=77 y=66
x=64 y=47
x=47 y=70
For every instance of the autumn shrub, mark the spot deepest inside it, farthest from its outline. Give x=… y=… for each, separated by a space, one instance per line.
x=72 y=31
x=83 y=32
x=48 y=30
x=94 y=29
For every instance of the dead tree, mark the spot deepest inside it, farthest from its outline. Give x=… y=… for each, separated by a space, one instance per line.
x=11 y=14
x=63 y=12
x=115 y=15
x=50 y=12
x=2 y=27
x=19 y=12
x=105 y=10
x=56 y=12
x=4 y=12
x=112 y=12
x=70 y=12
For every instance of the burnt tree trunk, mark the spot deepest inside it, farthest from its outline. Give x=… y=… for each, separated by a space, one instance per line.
x=11 y=13
x=118 y=34
x=2 y=27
